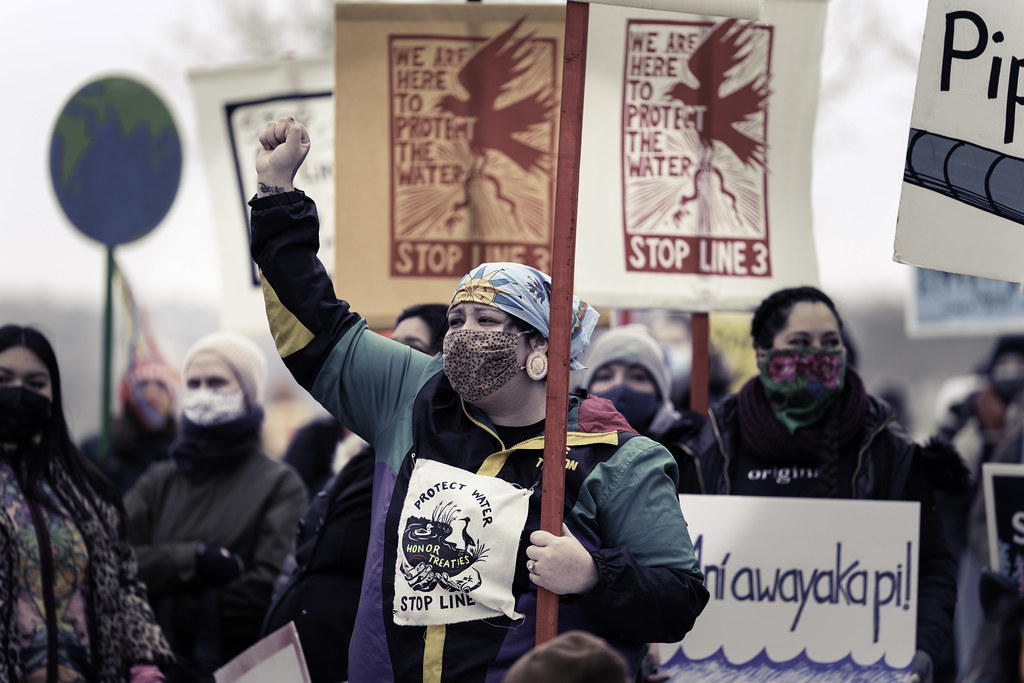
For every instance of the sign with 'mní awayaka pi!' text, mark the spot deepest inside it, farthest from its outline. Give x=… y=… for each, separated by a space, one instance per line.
x=801 y=589
x=961 y=206
x=695 y=186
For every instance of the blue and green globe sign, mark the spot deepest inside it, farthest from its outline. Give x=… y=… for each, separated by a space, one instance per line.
x=115 y=160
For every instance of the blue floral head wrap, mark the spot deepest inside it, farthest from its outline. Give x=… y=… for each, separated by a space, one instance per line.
x=525 y=293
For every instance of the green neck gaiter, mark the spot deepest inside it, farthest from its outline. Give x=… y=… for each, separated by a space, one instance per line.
x=802 y=383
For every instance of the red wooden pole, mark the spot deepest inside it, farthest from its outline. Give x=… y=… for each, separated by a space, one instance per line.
x=700 y=369
x=563 y=249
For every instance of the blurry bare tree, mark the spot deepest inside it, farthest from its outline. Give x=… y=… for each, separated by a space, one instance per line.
x=258 y=30
x=886 y=37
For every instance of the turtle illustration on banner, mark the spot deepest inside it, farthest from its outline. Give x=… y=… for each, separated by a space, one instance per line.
x=436 y=554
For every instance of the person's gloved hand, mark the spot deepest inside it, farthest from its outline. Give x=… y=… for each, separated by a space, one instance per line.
x=921 y=669
x=216 y=565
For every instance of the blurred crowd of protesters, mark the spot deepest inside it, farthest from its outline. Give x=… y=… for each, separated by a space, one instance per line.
x=218 y=581
x=163 y=549
x=983 y=415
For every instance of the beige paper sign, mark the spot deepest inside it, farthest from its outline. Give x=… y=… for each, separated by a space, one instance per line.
x=961 y=205
x=275 y=658
x=695 y=172
x=446 y=146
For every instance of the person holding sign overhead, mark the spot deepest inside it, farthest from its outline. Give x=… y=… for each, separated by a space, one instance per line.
x=456 y=553
x=807 y=414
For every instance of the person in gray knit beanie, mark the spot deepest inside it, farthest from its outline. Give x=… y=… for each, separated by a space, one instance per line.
x=627 y=366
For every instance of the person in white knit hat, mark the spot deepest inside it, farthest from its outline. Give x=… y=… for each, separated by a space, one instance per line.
x=212 y=525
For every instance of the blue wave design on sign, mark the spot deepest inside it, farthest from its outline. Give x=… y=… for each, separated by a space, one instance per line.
x=800 y=668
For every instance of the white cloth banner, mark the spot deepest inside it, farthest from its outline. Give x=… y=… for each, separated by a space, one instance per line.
x=961 y=205
x=744 y=9
x=457 y=549
x=233 y=105
x=801 y=590
x=695 y=170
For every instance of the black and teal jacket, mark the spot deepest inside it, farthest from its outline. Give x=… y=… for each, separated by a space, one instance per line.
x=620 y=488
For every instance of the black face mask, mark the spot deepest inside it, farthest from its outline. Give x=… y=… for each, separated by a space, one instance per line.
x=1007 y=389
x=23 y=414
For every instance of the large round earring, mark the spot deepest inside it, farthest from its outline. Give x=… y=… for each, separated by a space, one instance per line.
x=537 y=365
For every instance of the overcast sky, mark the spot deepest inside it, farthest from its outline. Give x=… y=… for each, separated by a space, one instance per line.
x=53 y=47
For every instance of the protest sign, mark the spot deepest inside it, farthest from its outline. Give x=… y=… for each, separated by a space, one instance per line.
x=695 y=166
x=744 y=9
x=447 y=145
x=951 y=304
x=819 y=589
x=1003 y=488
x=233 y=105
x=275 y=658
x=961 y=208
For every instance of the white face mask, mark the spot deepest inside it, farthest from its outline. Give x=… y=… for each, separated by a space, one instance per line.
x=205 y=407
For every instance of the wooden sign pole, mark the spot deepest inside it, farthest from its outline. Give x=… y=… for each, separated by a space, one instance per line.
x=563 y=249
x=700 y=369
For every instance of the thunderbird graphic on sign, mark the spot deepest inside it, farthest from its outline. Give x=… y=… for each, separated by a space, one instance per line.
x=502 y=118
x=723 y=112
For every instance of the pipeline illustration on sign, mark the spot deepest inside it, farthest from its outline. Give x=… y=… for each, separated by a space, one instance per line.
x=979 y=177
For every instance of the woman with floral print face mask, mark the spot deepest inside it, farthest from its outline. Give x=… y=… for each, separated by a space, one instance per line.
x=59 y=535
x=807 y=413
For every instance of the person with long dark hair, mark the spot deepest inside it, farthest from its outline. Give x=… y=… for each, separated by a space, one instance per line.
x=808 y=410
x=72 y=607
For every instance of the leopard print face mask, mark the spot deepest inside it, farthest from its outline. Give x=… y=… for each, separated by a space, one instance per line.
x=479 y=362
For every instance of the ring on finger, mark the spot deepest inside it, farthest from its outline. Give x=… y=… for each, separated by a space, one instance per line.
x=530 y=564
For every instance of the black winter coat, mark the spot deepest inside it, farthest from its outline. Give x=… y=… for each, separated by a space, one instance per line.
x=890 y=467
x=322 y=594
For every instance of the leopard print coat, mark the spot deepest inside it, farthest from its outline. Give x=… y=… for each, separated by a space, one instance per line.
x=122 y=628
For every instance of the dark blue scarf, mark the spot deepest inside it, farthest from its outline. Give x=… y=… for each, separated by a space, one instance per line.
x=214 y=447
